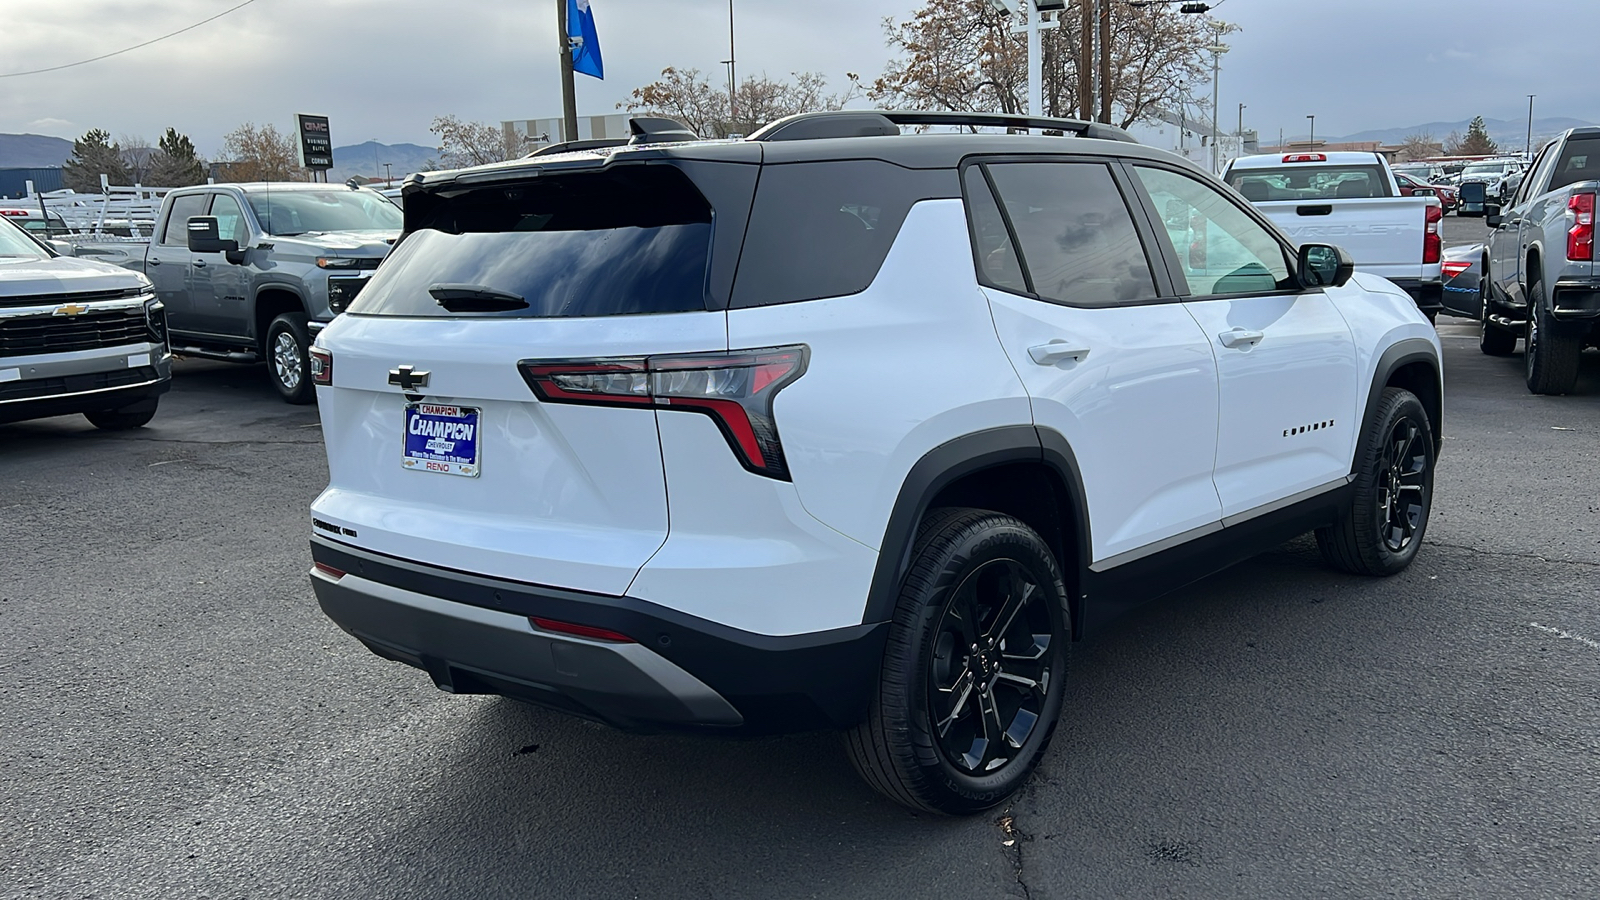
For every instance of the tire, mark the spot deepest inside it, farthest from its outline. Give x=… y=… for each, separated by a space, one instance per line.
x=924 y=742
x=1550 y=352
x=134 y=415
x=1433 y=317
x=1392 y=494
x=1492 y=339
x=288 y=358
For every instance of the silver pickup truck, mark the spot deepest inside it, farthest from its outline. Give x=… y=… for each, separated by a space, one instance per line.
x=251 y=272
x=77 y=337
x=1539 y=279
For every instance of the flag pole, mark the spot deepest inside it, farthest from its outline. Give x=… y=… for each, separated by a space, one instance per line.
x=569 y=101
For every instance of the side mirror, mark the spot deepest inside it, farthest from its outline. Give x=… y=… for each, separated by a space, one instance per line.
x=1473 y=192
x=1324 y=265
x=1492 y=216
x=203 y=236
x=61 y=247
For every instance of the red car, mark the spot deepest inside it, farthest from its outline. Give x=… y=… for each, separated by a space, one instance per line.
x=1411 y=186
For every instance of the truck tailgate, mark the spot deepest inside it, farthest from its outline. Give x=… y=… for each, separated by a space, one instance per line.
x=1383 y=234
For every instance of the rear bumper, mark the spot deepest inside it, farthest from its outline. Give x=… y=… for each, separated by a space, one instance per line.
x=1573 y=299
x=1429 y=295
x=474 y=635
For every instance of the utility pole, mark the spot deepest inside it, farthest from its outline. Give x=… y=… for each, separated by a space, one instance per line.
x=1527 y=151
x=1105 y=61
x=733 y=80
x=1086 y=61
x=569 y=101
x=1241 y=125
x=1217 y=48
x=388 y=179
x=1311 y=142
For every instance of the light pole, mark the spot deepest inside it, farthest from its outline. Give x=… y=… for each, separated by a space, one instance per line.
x=733 y=90
x=1311 y=142
x=1527 y=151
x=1241 y=129
x=388 y=180
x=1032 y=23
x=1217 y=49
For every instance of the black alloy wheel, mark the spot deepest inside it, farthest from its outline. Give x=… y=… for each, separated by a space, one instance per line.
x=989 y=678
x=1392 y=495
x=973 y=674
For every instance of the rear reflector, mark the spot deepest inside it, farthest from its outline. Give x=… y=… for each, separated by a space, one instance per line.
x=1305 y=157
x=583 y=631
x=328 y=570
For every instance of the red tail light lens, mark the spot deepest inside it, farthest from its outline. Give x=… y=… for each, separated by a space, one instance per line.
x=1430 y=234
x=1305 y=157
x=321 y=366
x=1455 y=267
x=735 y=389
x=1580 y=237
x=583 y=631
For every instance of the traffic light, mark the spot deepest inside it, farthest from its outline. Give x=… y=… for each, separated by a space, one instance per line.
x=1195 y=8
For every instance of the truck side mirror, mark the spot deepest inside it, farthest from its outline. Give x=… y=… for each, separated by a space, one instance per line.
x=203 y=236
x=1324 y=265
x=1492 y=216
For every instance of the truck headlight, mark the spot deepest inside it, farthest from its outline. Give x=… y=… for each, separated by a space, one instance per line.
x=342 y=291
x=155 y=321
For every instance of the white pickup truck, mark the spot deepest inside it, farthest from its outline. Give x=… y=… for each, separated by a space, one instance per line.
x=1350 y=199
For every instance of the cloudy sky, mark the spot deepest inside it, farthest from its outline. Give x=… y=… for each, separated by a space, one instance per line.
x=382 y=69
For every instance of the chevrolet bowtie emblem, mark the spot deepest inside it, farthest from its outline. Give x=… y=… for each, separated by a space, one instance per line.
x=70 y=309
x=408 y=378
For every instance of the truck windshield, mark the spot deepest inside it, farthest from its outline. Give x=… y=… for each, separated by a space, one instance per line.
x=291 y=212
x=14 y=244
x=1310 y=183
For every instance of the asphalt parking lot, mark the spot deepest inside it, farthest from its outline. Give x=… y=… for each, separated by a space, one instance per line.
x=181 y=721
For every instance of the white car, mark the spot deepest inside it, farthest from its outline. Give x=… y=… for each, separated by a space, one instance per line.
x=839 y=427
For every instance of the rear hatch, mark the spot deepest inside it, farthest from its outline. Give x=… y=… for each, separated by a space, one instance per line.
x=439 y=449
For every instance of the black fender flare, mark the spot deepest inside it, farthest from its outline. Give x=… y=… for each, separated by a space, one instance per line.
x=1402 y=353
x=955 y=459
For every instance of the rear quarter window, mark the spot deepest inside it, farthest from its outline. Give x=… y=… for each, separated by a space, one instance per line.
x=823 y=229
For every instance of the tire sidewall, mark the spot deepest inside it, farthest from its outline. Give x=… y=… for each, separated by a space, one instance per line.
x=293 y=324
x=1408 y=407
x=999 y=539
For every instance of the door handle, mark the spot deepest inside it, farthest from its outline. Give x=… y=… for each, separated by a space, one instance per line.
x=1057 y=350
x=1240 y=337
x=199 y=264
x=152 y=262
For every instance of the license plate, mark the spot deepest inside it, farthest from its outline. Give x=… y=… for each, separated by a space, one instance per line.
x=441 y=439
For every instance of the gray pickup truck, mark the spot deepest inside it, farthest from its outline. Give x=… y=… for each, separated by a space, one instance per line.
x=77 y=337
x=251 y=272
x=1539 y=280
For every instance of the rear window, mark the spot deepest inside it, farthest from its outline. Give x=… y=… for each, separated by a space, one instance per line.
x=627 y=241
x=1580 y=161
x=823 y=229
x=1294 y=182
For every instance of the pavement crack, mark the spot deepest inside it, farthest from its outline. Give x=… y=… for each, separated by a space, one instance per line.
x=1014 y=839
x=1531 y=556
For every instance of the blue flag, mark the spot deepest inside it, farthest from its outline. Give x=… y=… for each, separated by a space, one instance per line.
x=585 y=43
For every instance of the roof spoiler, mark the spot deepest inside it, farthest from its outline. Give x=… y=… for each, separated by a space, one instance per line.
x=872 y=122
x=656 y=130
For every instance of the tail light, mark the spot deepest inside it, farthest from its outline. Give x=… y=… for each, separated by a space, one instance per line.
x=1305 y=157
x=735 y=389
x=1580 y=237
x=321 y=367
x=1430 y=233
x=1455 y=267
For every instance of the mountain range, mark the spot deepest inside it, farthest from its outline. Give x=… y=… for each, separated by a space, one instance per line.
x=36 y=151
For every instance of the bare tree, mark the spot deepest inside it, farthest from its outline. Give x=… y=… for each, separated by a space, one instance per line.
x=260 y=154
x=691 y=98
x=1453 y=144
x=962 y=55
x=463 y=143
x=1419 y=146
x=136 y=156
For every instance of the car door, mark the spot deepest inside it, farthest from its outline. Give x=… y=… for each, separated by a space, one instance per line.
x=1109 y=357
x=1510 y=237
x=1286 y=360
x=167 y=263
x=218 y=287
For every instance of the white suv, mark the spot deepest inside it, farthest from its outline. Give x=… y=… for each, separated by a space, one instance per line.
x=839 y=427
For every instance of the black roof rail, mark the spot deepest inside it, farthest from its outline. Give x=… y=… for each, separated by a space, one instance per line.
x=571 y=146
x=866 y=122
x=656 y=129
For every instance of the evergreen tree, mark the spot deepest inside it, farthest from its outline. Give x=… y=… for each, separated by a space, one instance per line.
x=93 y=155
x=1477 y=141
x=176 y=164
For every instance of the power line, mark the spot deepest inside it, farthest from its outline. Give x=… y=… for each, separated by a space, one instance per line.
x=82 y=62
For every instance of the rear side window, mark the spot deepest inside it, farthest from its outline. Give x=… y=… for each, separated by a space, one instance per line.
x=1078 y=242
x=1306 y=182
x=183 y=208
x=627 y=241
x=991 y=242
x=823 y=229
